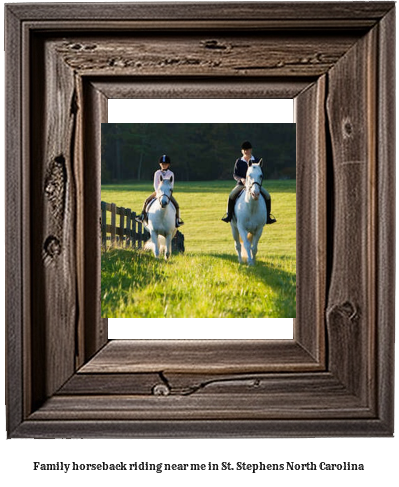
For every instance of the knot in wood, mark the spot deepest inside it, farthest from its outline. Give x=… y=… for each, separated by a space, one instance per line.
x=90 y=47
x=52 y=246
x=347 y=128
x=161 y=390
x=213 y=44
x=349 y=310
x=54 y=189
x=346 y=310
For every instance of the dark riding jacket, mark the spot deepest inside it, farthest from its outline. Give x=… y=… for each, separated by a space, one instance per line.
x=241 y=168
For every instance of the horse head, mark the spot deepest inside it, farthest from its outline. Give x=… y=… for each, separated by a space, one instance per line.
x=254 y=179
x=164 y=192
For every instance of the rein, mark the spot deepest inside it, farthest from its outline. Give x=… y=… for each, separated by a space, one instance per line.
x=164 y=194
x=253 y=184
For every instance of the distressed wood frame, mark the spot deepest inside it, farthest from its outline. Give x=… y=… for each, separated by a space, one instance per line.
x=64 y=378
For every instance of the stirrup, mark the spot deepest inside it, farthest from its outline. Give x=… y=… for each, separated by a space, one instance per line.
x=270 y=219
x=179 y=222
x=140 y=218
x=226 y=218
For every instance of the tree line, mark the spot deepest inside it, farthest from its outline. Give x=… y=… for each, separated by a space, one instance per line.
x=198 y=151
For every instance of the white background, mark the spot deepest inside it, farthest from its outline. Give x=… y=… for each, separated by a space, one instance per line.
x=200 y=111
x=379 y=455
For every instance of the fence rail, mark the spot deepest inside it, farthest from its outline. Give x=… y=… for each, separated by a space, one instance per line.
x=129 y=233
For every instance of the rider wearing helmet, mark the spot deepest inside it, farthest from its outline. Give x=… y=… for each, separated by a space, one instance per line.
x=240 y=174
x=166 y=173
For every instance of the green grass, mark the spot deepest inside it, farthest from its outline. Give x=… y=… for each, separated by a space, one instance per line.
x=206 y=281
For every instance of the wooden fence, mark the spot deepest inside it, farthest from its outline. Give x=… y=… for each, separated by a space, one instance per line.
x=129 y=233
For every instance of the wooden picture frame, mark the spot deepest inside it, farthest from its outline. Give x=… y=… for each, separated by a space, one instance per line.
x=335 y=378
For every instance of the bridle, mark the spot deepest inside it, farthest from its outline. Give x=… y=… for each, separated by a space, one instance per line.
x=161 y=195
x=254 y=183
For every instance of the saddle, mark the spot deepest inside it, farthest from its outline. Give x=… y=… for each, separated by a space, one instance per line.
x=149 y=205
x=240 y=193
x=147 y=208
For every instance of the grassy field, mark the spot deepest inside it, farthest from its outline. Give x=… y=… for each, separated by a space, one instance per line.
x=206 y=281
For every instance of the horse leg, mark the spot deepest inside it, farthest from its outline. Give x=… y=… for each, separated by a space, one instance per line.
x=247 y=245
x=255 y=242
x=236 y=237
x=154 y=239
x=168 y=246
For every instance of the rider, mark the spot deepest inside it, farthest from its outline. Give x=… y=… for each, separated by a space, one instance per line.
x=240 y=174
x=166 y=173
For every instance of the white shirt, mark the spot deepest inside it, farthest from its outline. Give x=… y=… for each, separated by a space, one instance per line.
x=251 y=159
x=165 y=175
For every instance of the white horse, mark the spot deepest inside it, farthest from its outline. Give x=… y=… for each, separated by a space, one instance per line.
x=249 y=215
x=162 y=220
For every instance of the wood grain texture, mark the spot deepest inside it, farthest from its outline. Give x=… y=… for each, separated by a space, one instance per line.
x=14 y=232
x=351 y=306
x=200 y=356
x=269 y=396
x=274 y=428
x=242 y=55
x=385 y=218
x=173 y=88
x=53 y=214
x=311 y=249
x=94 y=328
x=203 y=407
x=184 y=384
x=111 y=384
x=339 y=383
x=282 y=12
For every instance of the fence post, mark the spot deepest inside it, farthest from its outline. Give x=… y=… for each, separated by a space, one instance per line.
x=104 y=223
x=140 y=234
x=113 y=223
x=134 y=234
x=122 y=225
x=128 y=223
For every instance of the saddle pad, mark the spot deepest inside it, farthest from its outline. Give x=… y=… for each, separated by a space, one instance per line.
x=151 y=203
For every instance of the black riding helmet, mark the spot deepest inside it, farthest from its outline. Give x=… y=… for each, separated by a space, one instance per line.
x=164 y=159
x=246 y=145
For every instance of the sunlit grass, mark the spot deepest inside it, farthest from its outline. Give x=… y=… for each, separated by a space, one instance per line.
x=207 y=280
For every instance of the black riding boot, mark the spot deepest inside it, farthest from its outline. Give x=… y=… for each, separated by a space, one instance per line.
x=230 y=210
x=179 y=221
x=142 y=217
x=270 y=217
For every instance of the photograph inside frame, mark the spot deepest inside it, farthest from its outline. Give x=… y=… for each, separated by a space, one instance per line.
x=198 y=220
